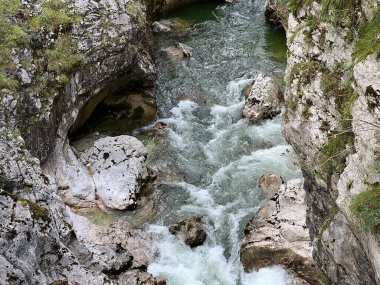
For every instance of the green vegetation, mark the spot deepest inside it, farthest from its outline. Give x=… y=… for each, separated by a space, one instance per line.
x=366 y=207
x=340 y=12
x=332 y=156
x=135 y=9
x=305 y=71
x=38 y=212
x=328 y=220
x=369 y=38
x=295 y=5
x=376 y=166
x=17 y=27
x=340 y=143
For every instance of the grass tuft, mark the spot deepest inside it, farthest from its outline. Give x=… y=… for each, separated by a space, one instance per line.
x=369 y=39
x=366 y=207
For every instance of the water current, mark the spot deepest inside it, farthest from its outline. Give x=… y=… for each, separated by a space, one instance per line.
x=210 y=159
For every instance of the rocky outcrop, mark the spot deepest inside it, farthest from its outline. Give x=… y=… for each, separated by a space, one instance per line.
x=190 y=231
x=119 y=251
x=278 y=235
x=270 y=183
x=263 y=100
x=332 y=122
x=110 y=169
x=40 y=240
x=160 y=7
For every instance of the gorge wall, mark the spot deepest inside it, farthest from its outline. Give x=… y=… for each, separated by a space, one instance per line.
x=332 y=120
x=56 y=58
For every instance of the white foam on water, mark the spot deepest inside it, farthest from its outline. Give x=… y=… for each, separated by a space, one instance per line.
x=234 y=89
x=267 y=276
x=181 y=265
x=184 y=109
x=224 y=116
x=205 y=265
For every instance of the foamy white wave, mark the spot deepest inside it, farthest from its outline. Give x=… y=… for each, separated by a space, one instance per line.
x=184 y=109
x=180 y=264
x=224 y=116
x=234 y=89
x=267 y=276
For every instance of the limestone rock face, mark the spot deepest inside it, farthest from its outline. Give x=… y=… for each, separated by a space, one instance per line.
x=329 y=89
x=190 y=231
x=40 y=240
x=160 y=28
x=263 y=100
x=278 y=235
x=117 y=168
x=276 y=13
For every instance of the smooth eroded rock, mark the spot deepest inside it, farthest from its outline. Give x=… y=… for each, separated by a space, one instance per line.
x=263 y=100
x=117 y=167
x=190 y=231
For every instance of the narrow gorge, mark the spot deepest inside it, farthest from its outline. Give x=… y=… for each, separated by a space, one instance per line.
x=190 y=142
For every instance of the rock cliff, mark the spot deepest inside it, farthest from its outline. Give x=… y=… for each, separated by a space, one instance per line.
x=332 y=121
x=59 y=60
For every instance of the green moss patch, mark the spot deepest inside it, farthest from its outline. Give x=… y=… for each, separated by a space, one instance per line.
x=366 y=207
x=18 y=26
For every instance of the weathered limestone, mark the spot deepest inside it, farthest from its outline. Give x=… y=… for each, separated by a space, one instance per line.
x=190 y=231
x=320 y=62
x=278 y=235
x=263 y=100
x=160 y=28
x=40 y=240
x=117 y=167
x=276 y=13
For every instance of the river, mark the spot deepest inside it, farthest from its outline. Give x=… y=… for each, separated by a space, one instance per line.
x=210 y=159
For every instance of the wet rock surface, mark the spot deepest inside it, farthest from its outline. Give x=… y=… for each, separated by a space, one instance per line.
x=263 y=100
x=278 y=235
x=178 y=51
x=190 y=231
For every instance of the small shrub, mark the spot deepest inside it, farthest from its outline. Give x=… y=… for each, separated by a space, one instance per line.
x=366 y=207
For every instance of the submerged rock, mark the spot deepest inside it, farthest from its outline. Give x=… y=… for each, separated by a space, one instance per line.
x=270 y=184
x=190 y=231
x=160 y=28
x=263 y=100
x=178 y=51
x=160 y=126
x=278 y=235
